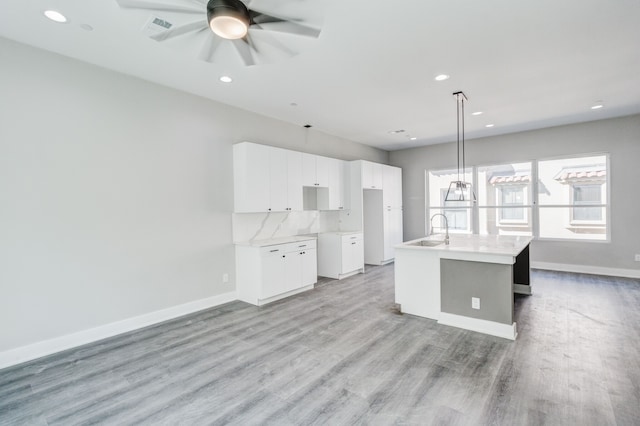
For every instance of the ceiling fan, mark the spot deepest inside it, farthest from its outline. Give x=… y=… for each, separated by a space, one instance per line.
x=250 y=31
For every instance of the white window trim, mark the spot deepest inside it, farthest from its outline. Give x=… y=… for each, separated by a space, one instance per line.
x=577 y=223
x=534 y=204
x=511 y=222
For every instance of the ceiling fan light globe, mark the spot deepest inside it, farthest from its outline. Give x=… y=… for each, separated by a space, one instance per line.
x=228 y=27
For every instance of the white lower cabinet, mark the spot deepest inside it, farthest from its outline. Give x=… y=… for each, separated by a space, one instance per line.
x=340 y=254
x=268 y=273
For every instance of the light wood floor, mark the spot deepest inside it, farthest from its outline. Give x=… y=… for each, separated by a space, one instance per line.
x=342 y=354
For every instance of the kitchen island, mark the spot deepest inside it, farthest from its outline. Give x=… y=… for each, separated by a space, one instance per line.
x=468 y=283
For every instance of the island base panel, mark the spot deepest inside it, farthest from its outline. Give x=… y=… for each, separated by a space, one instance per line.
x=492 y=283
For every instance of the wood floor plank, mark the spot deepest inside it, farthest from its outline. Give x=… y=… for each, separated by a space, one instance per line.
x=342 y=354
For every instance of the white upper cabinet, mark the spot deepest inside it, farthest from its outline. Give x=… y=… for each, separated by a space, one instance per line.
x=266 y=179
x=278 y=200
x=308 y=170
x=315 y=170
x=336 y=184
x=294 y=180
x=371 y=175
x=251 y=178
x=322 y=170
x=392 y=187
x=270 y=179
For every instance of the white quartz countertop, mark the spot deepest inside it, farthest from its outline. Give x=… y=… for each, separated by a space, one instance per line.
x=343 y=232
x=473 y=244
x=276 y=241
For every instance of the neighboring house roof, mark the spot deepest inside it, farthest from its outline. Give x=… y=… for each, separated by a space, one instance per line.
x=586 y=173
x=496 y=180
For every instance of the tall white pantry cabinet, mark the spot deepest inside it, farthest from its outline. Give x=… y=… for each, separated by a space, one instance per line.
x=381 y=200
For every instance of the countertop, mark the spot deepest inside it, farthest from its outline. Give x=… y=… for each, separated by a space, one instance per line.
x=276 y=241
x=342 y=232
x=504 y=245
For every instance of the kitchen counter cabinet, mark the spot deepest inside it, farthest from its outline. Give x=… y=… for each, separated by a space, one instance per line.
x=439 y=281
x=269 y=272
x=340 y=254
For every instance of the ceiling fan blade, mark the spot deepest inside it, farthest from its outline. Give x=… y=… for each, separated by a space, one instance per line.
x=272 y=23
x=243 y=47
x=198 y=25
x=162 y=7
x=269 y=39
x=211 y=43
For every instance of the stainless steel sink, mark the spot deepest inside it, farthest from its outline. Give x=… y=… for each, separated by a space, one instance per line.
x=427 y=243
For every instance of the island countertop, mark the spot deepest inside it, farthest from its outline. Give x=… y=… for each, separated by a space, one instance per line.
x=496 y=248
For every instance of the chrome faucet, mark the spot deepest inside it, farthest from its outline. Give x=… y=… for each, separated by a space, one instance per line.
x=446 y=224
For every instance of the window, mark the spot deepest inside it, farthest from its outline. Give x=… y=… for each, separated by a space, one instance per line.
x=458 y=216
x=572 y=195
x=511 y=196
x=587 y=195
x=504 y=199
x=458 y=213
x=569 y=200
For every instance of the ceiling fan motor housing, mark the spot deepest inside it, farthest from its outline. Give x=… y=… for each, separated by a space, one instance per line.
x=233 y=8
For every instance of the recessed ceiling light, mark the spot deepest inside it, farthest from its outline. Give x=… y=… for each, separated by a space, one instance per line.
x=226 y=79
x=476 y=113
x=293 y=104
x=413 y=138
x=55 y=16
x=597 y=106
x=395 y=132
x=489 y=125
x=441 y=77
x=86 y=27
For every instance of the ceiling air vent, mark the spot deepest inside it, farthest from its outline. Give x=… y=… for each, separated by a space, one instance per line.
x=156 y=26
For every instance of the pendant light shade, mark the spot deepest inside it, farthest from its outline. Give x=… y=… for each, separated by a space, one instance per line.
x=228 y=19
x=460 y=190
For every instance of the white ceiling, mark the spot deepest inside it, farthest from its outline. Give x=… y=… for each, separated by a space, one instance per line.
x=526 y=64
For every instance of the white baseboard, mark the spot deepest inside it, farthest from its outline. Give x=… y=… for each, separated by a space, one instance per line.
x=505 y=331
x=57 y=344
x=587 y=269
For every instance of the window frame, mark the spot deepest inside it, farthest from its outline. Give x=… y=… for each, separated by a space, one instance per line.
x=533 y=201
x=501 y=207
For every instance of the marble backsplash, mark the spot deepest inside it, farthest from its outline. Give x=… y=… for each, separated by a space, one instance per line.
x=262 y=226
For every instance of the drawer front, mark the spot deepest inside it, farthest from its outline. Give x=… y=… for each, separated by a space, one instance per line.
x=351 y=237
x=287 y=248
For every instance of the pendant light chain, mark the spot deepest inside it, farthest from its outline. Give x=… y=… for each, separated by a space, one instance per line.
x=458 y=135
x=459 y=188
x=464 y=170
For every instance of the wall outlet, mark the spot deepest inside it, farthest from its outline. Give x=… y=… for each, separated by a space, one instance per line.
x=225 y=278
x=637 y=257
x=475 y=302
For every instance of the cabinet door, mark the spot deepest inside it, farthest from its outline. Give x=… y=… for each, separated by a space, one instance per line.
x=371 y=175
x=273 y=271
x=251 y=177
x=309 y=273
x=391 y=187
x=392 y=232
x=277 y=180
x=357 y=253
x=352 y=253
x=292 y=271
x=336 y=184
x=294 y=181
x=322 y=171
x=309 y=170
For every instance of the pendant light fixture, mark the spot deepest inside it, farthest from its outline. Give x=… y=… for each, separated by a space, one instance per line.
x=459 y=190
x=228 y=19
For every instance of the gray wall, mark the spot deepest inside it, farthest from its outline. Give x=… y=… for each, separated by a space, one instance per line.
x=619 y=136
x=116 y=194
